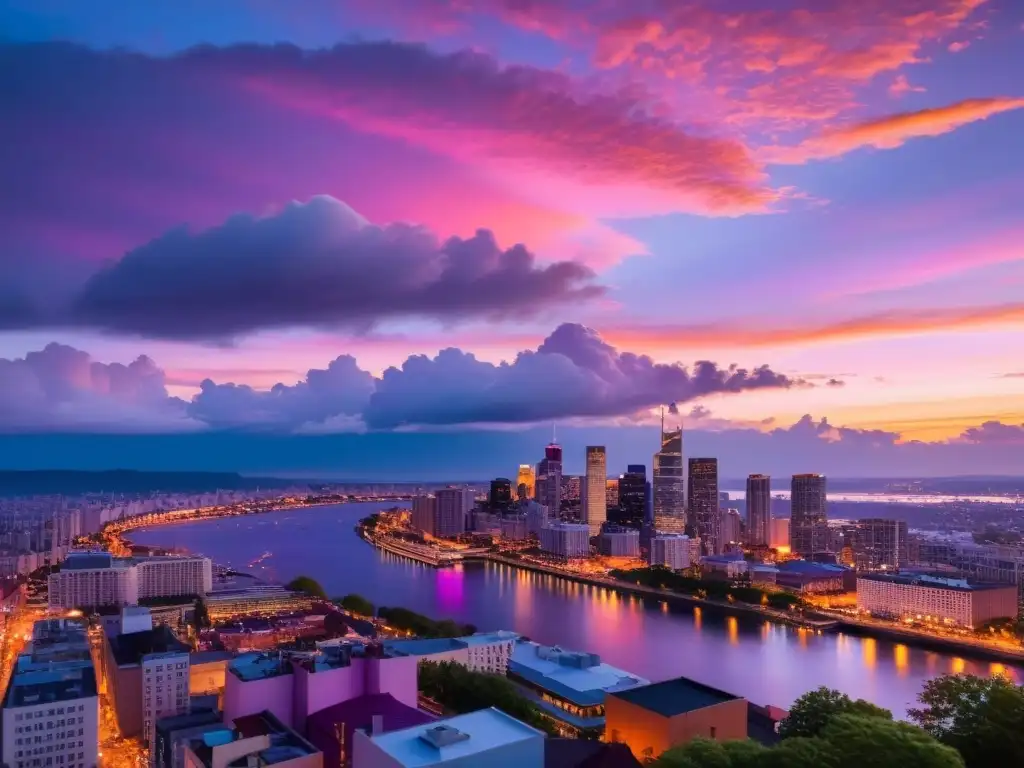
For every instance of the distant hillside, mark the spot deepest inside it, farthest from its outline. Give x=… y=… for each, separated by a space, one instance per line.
x=70 y=482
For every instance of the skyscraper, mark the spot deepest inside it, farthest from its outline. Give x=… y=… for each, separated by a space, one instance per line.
x=633 y=496
x=879 y=544
x=453 y=507
x=549 y=479
x=500 y=496
x=808 y=528
x=526 y=483
x=596 y=511
x=703 y=504
x=759 y=510
x=669 y=482
x=731 y=527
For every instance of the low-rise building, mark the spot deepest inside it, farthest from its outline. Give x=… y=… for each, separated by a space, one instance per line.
x=653 y=718
x=332 y=730
x=952 y=602
x=566 y=541
x=482 y=652
x=488 y=737
x=570 y=686
x=256 y=600
x=807 y=577
x=51 y=707
x=254 y=740
x=174 y=733
x=675 y=551
x=624 y=542
x=730 y=566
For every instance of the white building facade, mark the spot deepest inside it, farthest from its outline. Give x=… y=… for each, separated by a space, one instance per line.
x=620 y=543
x=126 y=581
x=674 y=551
x=164 y=690
x=929 y=599
x=567 y=541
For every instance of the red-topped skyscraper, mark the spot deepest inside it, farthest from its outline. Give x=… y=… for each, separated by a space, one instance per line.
x=549 y=479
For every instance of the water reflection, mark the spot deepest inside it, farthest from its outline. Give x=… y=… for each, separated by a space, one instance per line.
x=767 y=663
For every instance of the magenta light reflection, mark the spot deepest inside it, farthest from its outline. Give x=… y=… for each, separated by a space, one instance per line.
x=450 y=589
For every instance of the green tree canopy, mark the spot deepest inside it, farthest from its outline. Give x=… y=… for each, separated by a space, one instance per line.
x=816 y=709
x=200 y=615
x=357 y=604
x=847 y=741
x=460 y=690
x=982 y=718
x=307 y=585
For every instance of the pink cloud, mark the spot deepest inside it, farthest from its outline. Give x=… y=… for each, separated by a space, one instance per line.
x=901 y=86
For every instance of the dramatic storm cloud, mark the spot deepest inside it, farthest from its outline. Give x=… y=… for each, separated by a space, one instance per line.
x=314 y=264
x=572 y=373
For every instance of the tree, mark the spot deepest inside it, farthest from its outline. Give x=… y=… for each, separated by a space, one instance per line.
x=697 y=753
x=815 y=709
x=860 y=740
x=357 y=604
x=982 y=718
x=308 y=586
x=200 y=615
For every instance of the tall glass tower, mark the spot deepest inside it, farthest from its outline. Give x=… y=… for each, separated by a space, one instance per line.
x=596 y=510
x=704 y=509
x=669 y=481
x=759 y=510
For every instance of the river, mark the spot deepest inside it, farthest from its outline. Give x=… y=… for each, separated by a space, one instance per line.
x=765 y=662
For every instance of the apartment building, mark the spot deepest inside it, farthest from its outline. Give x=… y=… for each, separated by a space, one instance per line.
x=88 y=580
x=952 y=602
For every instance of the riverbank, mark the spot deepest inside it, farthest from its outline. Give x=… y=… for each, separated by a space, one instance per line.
x=906 y=636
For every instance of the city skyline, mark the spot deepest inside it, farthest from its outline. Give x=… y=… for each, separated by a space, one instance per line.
x=383 y=226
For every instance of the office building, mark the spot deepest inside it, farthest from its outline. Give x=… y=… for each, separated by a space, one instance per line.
x=173 y=735
x=653 y=718
x=51 y=706
x=487 y=737
x=569 y=686
x=632 y=507
x=572 y=489
x=808 y=526
x=566 y=541
x=675 y=551
x=549 y=479
x=931 y=599
x=596 y=507
x=526 y=482
x=669 y=482
x=993 y=563
x=731 y=527
x=759 y=510
x=453 y=508
x=500 y=496
x=619 y=542
x=424 y=513
x=879 y=545
x=147 y=677
x=703 y=508
x=90 y=580
x=254 y=740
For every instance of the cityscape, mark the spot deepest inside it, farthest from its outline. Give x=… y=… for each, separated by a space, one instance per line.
x=512 y=384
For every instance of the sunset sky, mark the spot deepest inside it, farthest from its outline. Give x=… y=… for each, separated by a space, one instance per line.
x=593 y=198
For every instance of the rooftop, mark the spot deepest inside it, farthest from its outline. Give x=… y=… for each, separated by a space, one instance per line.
x=359 y=714
x=423 y=646
x=78 y=561
x=675 y=697
x=456 y=738
x=584 y=753
x=259 y=666
x=490 y=638
x=57 y=666
x=207 y=657
x=132 y=648
x=921 y=580
x=581 y=678
x=285 y=744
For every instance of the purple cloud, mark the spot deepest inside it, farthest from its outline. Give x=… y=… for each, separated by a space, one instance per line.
x=62 y=388
x=833 y=382
x=314 y=264
x=573 y=373
x=995 y=433
x=329 y=398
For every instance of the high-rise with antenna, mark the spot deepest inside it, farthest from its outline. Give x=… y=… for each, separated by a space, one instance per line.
x=669 y=479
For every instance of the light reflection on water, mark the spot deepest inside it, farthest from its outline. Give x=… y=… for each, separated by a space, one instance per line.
x=768 y=663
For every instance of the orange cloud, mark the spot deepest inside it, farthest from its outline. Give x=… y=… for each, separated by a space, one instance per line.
x=894 y=323
x=893 y=130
